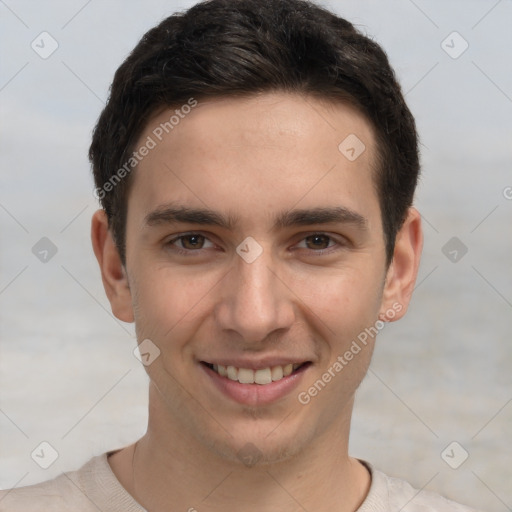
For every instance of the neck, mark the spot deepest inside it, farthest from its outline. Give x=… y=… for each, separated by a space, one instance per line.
x=167 y=465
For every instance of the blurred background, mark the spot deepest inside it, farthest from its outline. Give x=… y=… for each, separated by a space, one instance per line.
x=436 y=406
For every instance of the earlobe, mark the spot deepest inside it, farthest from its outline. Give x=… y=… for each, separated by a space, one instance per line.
x=403 y=270
x=113 y=273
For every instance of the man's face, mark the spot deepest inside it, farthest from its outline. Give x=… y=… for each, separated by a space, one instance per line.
x=290 y=268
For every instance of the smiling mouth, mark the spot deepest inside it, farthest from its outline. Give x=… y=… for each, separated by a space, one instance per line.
x=262 y=376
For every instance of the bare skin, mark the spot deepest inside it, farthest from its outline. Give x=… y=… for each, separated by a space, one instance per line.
x=306 y=297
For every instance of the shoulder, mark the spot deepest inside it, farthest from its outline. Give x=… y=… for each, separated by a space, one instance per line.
x=63 y=493
x=391 y=494
x=403 y=494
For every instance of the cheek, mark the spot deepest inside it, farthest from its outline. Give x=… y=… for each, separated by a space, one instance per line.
x=346 y=308
x=346 y=301
x=169 y=302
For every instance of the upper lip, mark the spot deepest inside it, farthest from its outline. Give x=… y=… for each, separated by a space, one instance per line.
x=256 y=364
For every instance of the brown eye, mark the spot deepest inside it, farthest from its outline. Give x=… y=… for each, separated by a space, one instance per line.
x=190 y=244
x=318 y=242
x=192 y=241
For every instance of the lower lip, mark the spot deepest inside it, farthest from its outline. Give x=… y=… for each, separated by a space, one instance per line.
x=255 y=394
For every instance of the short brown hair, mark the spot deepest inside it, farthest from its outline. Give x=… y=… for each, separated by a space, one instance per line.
x=243 y=47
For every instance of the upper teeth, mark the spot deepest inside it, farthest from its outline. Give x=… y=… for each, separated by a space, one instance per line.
x=262 y=376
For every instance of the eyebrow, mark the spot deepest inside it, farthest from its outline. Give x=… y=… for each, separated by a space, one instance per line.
x=171 y=214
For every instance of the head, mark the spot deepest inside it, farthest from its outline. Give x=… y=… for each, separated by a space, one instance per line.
x=241 y=48
x=276 y=136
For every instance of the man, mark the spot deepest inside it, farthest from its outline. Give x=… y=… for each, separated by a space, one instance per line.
x=256 y=165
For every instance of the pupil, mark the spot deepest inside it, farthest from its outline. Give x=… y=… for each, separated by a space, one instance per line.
x=193 y=240
x=319 y=240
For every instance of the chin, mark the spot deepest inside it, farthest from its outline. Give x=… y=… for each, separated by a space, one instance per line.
x=260 y=447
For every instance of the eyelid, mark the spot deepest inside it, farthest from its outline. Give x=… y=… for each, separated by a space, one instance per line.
x=330 y=237
x=339 y=241
x=178 y=236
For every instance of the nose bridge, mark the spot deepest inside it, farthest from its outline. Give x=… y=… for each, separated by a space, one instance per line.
x=255 y=302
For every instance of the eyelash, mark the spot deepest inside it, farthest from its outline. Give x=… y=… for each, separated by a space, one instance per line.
x=188 y=252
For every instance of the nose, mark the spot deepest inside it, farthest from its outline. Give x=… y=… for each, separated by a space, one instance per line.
x=255 y=302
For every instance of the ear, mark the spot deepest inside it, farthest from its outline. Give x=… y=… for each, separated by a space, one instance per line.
x=113 y=273
x=403 y=269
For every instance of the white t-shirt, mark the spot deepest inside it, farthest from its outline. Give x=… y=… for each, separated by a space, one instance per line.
x=94 y=487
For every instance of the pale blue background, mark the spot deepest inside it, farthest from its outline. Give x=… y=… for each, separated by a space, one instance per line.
x=67 y=373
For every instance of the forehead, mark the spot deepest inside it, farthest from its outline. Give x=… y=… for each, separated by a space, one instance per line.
x=257 y=154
